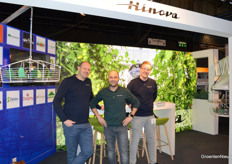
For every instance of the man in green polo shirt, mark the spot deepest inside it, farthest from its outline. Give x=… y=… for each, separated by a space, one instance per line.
x=115 y=120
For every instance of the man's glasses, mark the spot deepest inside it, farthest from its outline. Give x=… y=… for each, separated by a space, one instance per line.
x=145 y=69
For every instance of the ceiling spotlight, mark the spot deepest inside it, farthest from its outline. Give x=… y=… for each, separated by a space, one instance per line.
x=223 y=0
x=82 y=14
x=231 y=2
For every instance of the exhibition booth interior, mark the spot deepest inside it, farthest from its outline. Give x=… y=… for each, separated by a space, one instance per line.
x=194 y=95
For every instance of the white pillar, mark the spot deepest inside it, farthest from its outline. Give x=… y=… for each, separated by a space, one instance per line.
x=230 y=110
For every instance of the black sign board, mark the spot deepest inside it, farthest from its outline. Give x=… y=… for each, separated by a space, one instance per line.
x=26 y=40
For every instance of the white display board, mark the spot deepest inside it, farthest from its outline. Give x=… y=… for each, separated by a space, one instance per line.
x=40 y=96
x=140 y=11
x=51 y=47
x=40 y=44
x=13 y=37
x=28 y=97
x=12 y=99
x=50 y=95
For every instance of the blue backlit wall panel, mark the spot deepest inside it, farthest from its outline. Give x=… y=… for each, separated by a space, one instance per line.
x=27 y=118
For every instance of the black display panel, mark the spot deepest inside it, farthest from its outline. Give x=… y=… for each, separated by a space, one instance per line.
x=17 y=55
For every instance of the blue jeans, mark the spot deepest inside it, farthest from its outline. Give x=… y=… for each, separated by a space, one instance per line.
x=137 y=125
x=78 y=134
x=121 y=134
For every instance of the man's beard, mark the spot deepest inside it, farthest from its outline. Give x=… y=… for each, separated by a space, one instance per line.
x=113 y=86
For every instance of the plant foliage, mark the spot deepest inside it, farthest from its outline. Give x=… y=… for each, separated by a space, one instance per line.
x=175 y=74
x=103 y=58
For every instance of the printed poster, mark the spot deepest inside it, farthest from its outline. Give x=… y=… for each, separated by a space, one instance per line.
x=28 y=97
x=13 y=36
x=50 y=94
x=40 y=44
x=12 y=99
x=40 y=96
x=51 y=47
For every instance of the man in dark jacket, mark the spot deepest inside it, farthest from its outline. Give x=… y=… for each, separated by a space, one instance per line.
x=145 y=89
x=77 y=93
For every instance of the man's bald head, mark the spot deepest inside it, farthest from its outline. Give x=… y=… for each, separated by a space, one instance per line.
x=113 y=78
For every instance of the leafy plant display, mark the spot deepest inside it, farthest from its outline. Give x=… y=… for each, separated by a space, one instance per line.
x=202 y=95
x=103 y=58
x=186 y=123
x=175 y=74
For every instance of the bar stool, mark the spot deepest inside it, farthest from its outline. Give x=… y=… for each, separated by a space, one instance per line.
x=98 y=128
x=144 y=146
x=159 y=122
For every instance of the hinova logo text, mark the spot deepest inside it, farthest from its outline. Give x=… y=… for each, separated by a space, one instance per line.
x=150 y=10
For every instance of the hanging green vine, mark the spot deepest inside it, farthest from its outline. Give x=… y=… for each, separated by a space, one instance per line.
x=175 y=73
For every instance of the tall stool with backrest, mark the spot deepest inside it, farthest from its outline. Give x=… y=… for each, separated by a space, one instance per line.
x=98 y=128
x=159 y=122
x=94 y=122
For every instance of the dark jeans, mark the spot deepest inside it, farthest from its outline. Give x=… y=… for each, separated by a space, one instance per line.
x=121 y=134
x=78 y=134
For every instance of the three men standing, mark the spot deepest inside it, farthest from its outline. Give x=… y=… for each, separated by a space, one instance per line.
x=77 y=92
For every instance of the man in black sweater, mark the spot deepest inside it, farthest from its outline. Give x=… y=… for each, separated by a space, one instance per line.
x=145 y=89
x=77 y=93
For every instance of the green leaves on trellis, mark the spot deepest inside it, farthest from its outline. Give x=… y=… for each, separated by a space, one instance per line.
x=102 y=58
x=175 y=73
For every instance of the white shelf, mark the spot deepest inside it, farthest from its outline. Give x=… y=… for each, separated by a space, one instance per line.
x=221 y=115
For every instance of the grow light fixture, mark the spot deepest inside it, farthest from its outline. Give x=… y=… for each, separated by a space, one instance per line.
x=29 y=70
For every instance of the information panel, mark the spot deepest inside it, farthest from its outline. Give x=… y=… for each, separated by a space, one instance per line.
x=51 y=94
x=28 y=97
x=12 y=99
x=13 y=36
x=40 y=44
x=40 y=96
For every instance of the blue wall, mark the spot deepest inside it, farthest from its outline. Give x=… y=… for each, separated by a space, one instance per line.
x=26 y=132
